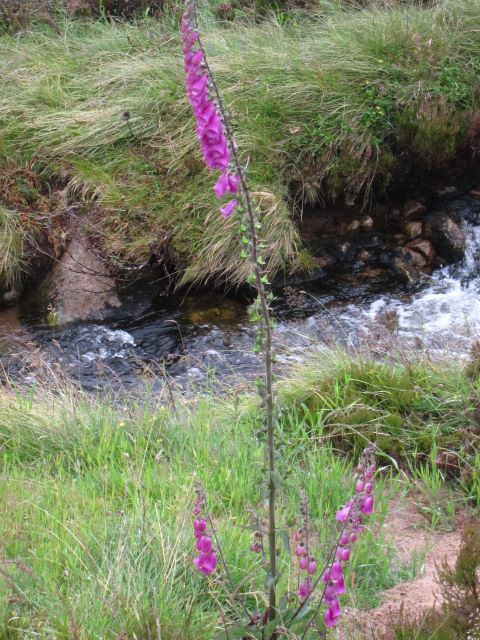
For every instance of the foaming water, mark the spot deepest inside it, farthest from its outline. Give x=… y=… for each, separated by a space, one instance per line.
x=445 y=308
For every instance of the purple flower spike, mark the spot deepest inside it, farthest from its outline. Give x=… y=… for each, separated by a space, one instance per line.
x=206 y=561
x=351 y=516
x=209 y=126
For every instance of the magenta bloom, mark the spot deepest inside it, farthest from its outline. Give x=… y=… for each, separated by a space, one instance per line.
x=339 y=587
x=312 y=567
x=367 y=505
x=227 y=209
x=304 y=590
x=344 y=512
x=332 y=613
x=226 y=183
x=336 y=571
x=206 y=562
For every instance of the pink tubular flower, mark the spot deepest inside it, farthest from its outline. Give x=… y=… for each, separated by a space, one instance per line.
x=206 y=562
x=209 y=126
x=332 y=613
x=226 y=183
x=344 y=512
x=305 y=589
x=367 y=505
x=227 y=209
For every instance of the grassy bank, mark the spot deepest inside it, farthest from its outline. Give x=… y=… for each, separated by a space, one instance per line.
x=95 y=500
x=330 y=105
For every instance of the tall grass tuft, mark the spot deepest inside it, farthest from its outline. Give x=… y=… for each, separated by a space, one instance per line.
x=328 y=107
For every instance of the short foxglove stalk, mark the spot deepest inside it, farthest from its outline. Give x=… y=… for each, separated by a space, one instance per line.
x=351 y=516
x=307 y=565
x=209 y=125
x=206 y=561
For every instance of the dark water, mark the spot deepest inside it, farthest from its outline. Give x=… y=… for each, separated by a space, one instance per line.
x=196 y=337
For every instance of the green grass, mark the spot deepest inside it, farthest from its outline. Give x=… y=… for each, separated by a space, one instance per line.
x=95 y=498
x=328 y=105
x=12 y=247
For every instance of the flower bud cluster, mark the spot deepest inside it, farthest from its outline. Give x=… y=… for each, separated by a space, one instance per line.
x=206 y=561
x=210 y=128
x=307 y=563
x=351 y=515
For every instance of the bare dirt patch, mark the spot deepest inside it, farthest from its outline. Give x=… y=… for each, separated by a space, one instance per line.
x=407 y=528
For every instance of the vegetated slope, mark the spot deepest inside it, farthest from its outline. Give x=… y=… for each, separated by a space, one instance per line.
x=324 y=106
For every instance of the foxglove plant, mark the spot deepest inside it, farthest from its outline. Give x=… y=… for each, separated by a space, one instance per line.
x=220 y=155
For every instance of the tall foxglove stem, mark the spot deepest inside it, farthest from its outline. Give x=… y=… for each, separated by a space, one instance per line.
x=265 y=326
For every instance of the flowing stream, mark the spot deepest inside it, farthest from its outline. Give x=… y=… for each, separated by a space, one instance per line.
x=198 y=336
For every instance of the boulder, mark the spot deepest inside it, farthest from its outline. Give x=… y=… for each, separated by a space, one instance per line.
x=413 y=210
x=367 y=222
x=424 y=247
x=404 y=268
x=80 y=286
x=354 y=225
x=418 y=259
x=413 y=229
x=446 y=236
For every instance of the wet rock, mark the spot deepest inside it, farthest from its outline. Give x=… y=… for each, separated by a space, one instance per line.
x=403 y=267
x=423 y=247
x=324 y=261
x=372 y=273
x=446 y=235
x=79 y=287
x=9 y=296
x=364 y=255
x=413 y=210
x=367 y=222
x=413 y=229
x=418 y=259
